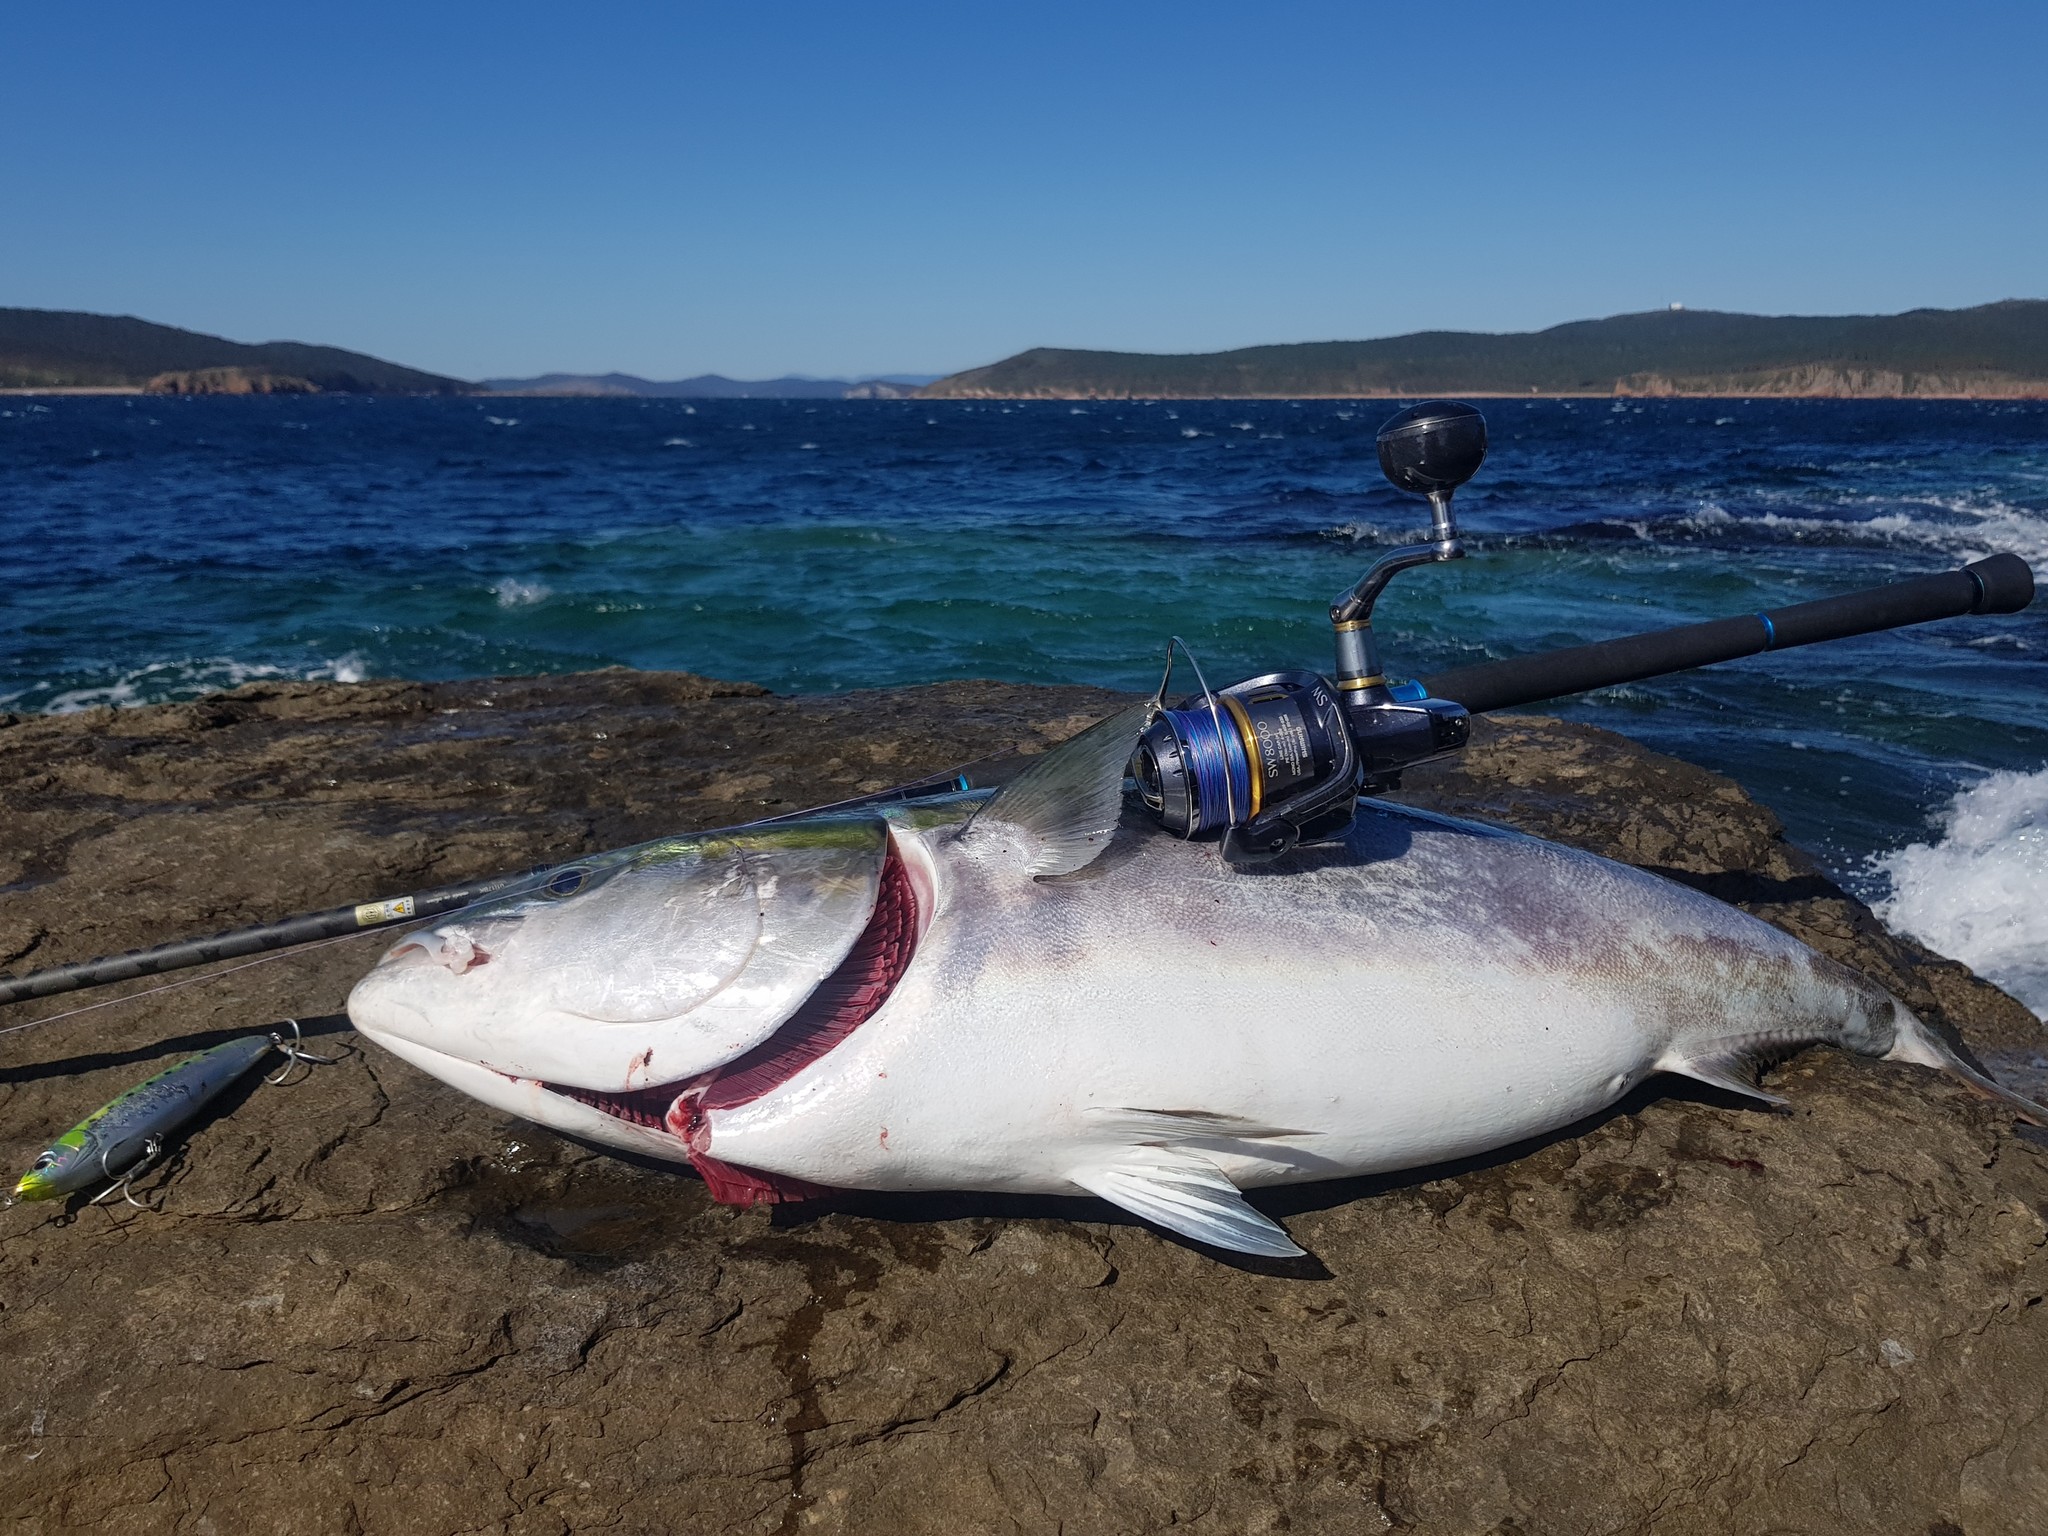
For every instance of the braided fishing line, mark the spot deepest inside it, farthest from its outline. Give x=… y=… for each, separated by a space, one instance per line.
x=1216 y=758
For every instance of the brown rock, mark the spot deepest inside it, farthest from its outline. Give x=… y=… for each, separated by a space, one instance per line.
x=371 y=1305
x=229 y=381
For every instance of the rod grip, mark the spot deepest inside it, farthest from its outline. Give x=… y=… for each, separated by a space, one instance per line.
x=2000 y=584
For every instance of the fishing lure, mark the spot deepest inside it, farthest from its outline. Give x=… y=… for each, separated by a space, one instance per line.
x=124 y=1136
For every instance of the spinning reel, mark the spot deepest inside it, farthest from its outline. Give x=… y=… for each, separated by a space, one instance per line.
x=1282 y=758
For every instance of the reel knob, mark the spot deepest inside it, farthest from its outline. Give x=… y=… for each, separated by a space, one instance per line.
x=1433 y=448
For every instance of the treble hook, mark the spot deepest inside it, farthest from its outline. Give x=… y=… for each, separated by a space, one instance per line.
x=296 y=1055
x=123 y=1181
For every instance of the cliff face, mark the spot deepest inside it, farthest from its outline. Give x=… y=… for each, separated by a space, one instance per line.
x=369 y=1304
x=228 y=381
x=1836 y=382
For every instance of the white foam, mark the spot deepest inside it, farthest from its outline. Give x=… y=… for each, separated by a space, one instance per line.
x=1980 y=893
x=1361 y=532
x=514 y=593
x=189 y=677
x=1962 y=528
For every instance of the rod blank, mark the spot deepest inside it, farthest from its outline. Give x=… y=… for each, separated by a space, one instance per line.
x=285 y=933
x=2001 y=584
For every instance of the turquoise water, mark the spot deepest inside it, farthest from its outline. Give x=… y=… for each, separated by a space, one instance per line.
x=163 y=547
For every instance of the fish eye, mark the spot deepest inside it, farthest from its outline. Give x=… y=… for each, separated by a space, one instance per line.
x=566 y=882
x=45 y=1160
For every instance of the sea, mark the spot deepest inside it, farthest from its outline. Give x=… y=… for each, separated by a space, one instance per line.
x=160 y=548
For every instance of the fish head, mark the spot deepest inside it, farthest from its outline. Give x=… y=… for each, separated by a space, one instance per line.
x=634 y=969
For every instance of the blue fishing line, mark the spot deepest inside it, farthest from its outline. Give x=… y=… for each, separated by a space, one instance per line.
x=1217 y=765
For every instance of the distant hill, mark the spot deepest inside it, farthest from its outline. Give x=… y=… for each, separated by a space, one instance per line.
x=69 y=349
x=713 y=386
x=1992 y=351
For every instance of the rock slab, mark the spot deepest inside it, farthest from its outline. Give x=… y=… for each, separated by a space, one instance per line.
x=370 y=1305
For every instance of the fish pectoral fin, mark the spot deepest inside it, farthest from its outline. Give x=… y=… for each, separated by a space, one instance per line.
x=1731 y=1064
x=1064 y=807
x=1185 y=1193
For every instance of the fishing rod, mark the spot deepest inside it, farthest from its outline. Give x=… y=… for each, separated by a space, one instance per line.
x=1280 y=758
x=308 y=928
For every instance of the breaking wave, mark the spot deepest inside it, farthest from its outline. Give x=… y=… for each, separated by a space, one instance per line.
x=514 y=593
x=1980 y=892
x=167 y=681
x=1960 y=528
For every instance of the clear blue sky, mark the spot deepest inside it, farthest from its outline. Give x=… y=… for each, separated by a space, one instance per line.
x=864 y=188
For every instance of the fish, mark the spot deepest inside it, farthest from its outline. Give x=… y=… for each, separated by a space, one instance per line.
x=1036 y=991
x=121 y=1135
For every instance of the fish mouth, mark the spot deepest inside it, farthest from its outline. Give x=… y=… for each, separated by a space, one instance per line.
x=836 y=1007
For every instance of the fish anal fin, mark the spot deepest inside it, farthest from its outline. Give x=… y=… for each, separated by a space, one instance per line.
x=1067 y=804
x=1729 y=1064
x=1185 y=1193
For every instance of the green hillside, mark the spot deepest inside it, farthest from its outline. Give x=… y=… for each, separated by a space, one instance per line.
x=1994 y=350
x=58 y=348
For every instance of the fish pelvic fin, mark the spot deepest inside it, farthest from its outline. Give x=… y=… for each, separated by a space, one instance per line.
x=1916 y=1043
x=1061 y=811
x=1185 y=1193
x=1731 y=1064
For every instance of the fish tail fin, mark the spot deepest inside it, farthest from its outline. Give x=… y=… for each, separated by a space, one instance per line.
x=1918 y=1044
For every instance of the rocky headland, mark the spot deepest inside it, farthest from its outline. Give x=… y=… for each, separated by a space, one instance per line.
x=1992 y=351
x=69 y=351
x=368 y=1304
x=228 y=381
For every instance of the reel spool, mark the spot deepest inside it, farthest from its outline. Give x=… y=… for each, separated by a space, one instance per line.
x=1262 y=761
x=1283 y=757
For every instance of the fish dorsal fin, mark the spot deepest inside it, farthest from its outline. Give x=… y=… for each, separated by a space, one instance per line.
x=1731 y=1064
x=1062 y=809
x=1184 y=1192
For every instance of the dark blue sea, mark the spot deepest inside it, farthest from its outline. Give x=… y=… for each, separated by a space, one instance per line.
x=159 y=548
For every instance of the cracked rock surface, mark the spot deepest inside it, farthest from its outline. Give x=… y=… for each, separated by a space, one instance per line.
x=368 y=1304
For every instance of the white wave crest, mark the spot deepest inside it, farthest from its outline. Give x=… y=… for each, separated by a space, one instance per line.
x=189 y=677
x=1960 y=527
x=1362 y=532
x=1980 y=893
x=514 y=593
